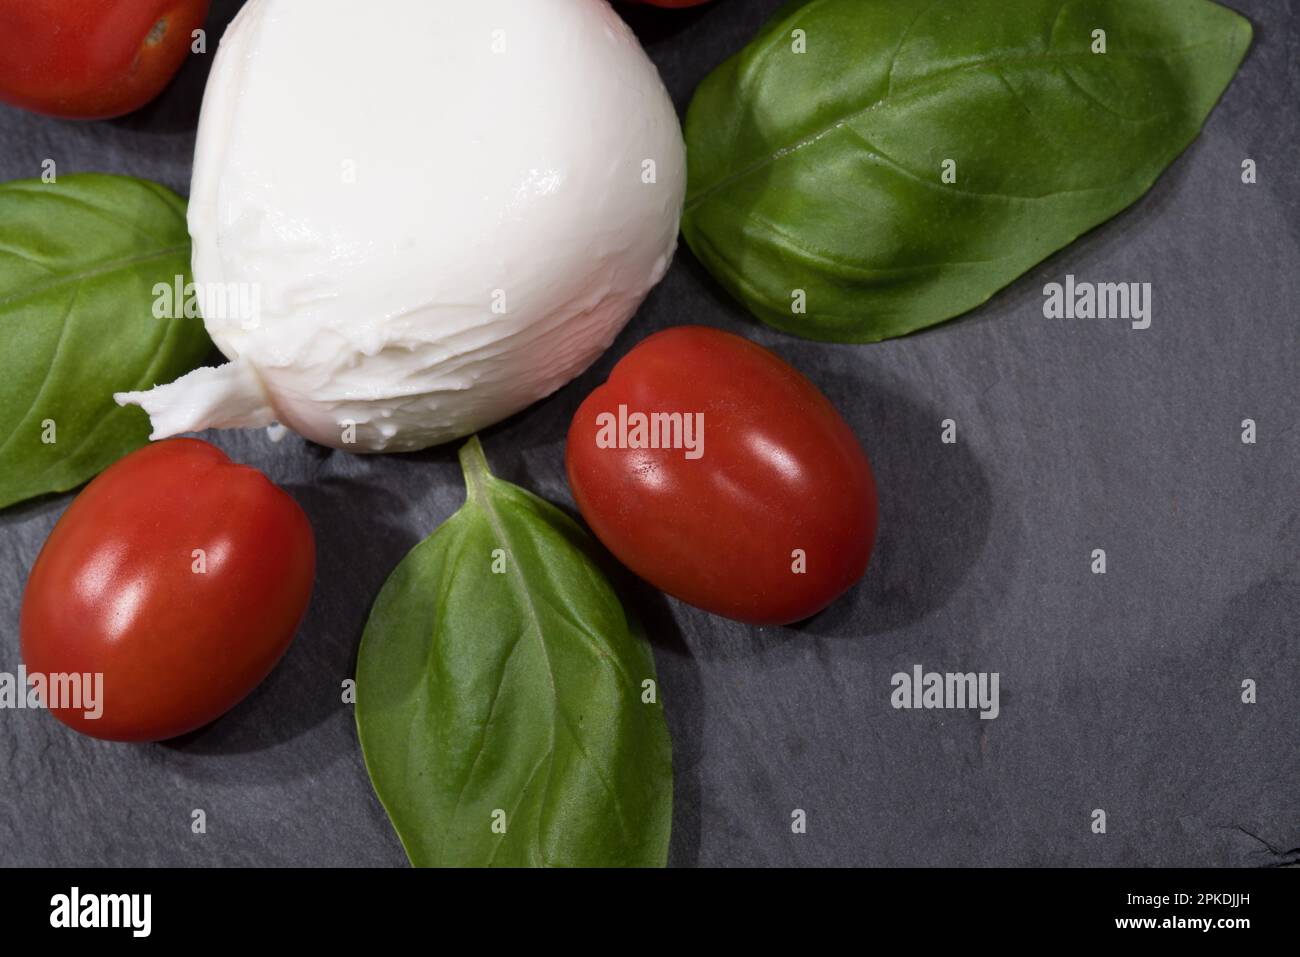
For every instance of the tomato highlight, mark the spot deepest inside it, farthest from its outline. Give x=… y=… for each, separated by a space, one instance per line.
x=721 y=475
x=177 y=577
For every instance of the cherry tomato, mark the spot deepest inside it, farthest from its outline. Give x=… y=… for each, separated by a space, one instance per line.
x=767 y=520
x=178 y=575
x=90 y=59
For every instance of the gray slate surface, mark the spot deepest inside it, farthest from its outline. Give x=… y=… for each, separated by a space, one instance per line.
x=1119 y=692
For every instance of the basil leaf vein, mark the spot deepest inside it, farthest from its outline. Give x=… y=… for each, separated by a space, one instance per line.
x=499 y=685
x=821 y=171
x=79 y=259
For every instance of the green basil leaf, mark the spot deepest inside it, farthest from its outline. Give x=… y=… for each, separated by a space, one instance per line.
x=79 y=259
x=500 y=686
x=822 y=171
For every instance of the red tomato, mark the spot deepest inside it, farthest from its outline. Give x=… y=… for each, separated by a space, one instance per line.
x=768 y=521
x=178 y=575
x=90 y=59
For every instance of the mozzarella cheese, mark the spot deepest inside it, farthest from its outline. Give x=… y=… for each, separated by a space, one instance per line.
x=412 y=219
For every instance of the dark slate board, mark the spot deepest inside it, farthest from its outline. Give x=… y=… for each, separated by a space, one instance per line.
x=1119 y=692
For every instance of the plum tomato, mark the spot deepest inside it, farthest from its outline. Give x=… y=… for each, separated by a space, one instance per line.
x=721 y=475
x=177 y=575
x=92 y=59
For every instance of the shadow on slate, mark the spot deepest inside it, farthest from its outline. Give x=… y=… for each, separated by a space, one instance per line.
x=935 y=512
x=651 y=25
x=360 y=539
x=935 y=500
x=681 y=691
